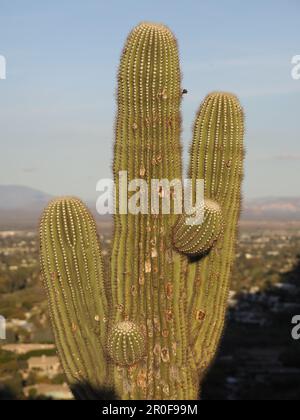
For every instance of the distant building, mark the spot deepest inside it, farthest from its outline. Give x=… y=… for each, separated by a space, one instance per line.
x=19 y=323
x=26 y=348
x=57 y=392
x=7 y=234
x=46 y=366
x=2 y=328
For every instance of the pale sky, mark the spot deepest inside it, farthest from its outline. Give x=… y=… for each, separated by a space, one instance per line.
x=57 y=105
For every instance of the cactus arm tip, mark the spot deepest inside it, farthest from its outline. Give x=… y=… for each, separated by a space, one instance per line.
x=73 y=277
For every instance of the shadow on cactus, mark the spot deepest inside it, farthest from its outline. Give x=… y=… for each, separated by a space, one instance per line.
x=148 y=326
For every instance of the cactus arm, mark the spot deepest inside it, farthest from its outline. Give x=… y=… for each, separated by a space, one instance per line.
x=146 y=273
x=151 y=328
x=72 y=272
x=217 y=157
x=197 y=239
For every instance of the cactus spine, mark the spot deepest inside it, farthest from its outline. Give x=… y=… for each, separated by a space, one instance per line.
x=151 y=328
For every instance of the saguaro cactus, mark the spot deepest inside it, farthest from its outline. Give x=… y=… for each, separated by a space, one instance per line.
x=148 y=327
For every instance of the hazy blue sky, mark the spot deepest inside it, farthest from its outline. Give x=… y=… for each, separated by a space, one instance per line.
x=57 y=106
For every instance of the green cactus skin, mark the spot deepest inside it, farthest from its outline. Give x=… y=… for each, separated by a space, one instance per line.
x=217 y=156
x=73 y=277
x=143 y=269
x=166 y=308
x=197 y=239
x=126 y=344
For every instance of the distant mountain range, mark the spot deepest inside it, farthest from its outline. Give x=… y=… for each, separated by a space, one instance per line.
x=281 y=209
x=20 y=208
x=14 y=197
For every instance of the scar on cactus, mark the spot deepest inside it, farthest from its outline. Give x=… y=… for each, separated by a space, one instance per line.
x=148 y=326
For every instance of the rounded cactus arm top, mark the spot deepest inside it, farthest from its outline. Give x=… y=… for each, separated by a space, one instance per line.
x=73 y=277
x=217 y=156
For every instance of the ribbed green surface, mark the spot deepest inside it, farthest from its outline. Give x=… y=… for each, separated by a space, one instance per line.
x=196 y=239
x=72 y=272
x=144 y=277
x=150 y=328
x=217 y=157
x=126 y=343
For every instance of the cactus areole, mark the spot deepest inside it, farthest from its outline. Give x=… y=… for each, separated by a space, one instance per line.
x=148 y=326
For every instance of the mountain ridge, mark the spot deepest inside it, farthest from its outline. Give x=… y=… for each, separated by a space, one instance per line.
x=22 y=197
x=21 y=207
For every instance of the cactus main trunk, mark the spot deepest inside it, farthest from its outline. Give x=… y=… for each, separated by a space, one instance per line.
x=148 y=329
x=147 y=286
